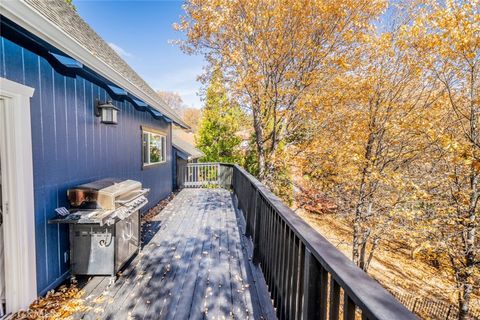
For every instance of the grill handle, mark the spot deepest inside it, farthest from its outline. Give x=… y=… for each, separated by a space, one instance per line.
x=136 y=195
x=127 y=235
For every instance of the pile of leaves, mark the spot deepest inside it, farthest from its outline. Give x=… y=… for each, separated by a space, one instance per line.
x=68 y=300
x=153 y=212
x=57 y=304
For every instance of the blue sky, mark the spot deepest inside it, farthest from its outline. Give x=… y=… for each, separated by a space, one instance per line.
x=140 y=31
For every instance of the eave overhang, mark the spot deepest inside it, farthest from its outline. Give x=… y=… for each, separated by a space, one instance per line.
x=75 y=56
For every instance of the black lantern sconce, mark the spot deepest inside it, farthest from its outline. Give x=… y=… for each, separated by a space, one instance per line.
x=106 y=111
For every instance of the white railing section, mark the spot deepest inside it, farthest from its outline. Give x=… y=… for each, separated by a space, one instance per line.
x=205 y=175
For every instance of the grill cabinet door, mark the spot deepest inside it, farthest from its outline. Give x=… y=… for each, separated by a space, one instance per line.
x=92 y=249
x=127 y=232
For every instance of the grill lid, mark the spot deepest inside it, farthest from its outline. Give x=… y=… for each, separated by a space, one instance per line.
x=98 y=185
x=101 y=194
x=104 y=201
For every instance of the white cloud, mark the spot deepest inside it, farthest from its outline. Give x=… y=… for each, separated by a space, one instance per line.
x=122 y=52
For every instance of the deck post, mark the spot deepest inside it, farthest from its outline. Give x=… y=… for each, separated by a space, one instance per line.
x=256 y=230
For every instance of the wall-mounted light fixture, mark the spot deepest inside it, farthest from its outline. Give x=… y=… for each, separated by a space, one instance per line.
x=107 y=111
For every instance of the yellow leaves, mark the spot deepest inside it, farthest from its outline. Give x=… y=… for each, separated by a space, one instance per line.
x=343 y=63
x=62 y=303
x=451 y=31
x=386 y=111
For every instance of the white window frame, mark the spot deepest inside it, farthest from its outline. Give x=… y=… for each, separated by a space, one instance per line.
x=150 y=132
x=18 y=195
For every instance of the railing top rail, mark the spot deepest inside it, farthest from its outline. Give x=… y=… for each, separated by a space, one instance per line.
x=209 y=163
x=374 y=300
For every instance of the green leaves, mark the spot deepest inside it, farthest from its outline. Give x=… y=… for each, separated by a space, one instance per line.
x=221 y=120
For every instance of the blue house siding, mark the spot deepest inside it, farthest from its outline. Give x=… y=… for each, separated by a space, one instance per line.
x=71 y=146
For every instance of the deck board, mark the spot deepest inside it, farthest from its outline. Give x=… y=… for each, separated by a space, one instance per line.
x=196 y=266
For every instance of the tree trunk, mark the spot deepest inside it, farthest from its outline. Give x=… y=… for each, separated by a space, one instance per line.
x=363 y=252
x=362 y=192
x=464 y=300
x=364 y=245
x=370 y=255
x=471 y=225
x=257 y=125
x=357 y=226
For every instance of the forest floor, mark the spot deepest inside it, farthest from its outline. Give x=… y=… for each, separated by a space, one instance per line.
x=394 y=268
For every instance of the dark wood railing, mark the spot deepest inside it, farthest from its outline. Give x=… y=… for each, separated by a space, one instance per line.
x=307 y=277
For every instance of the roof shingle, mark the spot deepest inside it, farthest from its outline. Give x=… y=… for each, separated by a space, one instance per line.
x=182 y=141
x=64 y=16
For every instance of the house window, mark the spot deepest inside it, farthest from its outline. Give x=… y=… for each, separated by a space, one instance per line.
x=154 y=147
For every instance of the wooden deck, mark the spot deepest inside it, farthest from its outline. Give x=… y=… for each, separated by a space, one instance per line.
x=196 y=266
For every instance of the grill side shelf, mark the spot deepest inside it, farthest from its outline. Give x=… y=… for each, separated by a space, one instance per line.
x=79 y=217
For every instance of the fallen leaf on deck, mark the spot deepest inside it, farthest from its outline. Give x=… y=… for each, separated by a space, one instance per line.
x=59 y=304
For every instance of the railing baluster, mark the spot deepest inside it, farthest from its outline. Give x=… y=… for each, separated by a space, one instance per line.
x=289 y=273
x=301 y=274
x=312 y=286
x=287 y=277
x=334 y=299
x=261 y=227
x=256 y=206
x=348 y=308
x=193 y=175
x=276 y=258
x=323 y=292
x=278 y=274
x=248 y=229
x=198 y=174
x=264 y=239
x=302 y=270
x=284 y=275
x=252 y=208
x=294 y=288
x=280 y=266
x=273 y=275
x=270 y=246
x=264 y=236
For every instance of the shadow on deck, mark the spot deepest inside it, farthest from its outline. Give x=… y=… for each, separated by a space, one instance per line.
x=197 y=265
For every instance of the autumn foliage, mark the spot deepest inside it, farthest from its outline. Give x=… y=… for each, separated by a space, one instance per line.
x=368 y=110
x=62 y=303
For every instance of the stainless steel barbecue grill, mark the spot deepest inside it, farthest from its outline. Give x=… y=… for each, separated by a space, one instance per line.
x=104 y=225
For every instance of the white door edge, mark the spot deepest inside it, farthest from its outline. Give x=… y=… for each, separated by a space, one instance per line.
x=18 y=195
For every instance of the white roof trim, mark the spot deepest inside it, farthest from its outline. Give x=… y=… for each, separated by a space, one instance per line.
x=27 y=17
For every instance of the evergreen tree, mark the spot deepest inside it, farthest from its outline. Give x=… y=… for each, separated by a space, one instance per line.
x=221 y=119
